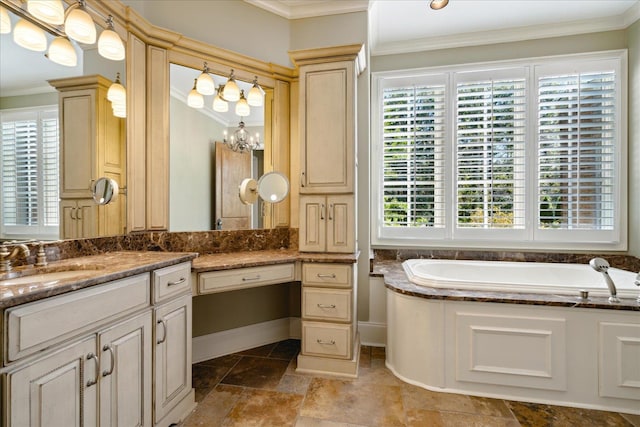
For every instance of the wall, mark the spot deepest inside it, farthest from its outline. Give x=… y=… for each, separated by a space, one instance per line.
x=192 y=150
x=633 y=37
x=49 y=98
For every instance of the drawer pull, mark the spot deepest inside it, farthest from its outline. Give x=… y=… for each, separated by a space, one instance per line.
x=326 y=306
x=326 y=276
x=93 y=357
x=177 y=282
x=322 y=342
x=113 y=360
x=164 y=335
x=249 y=279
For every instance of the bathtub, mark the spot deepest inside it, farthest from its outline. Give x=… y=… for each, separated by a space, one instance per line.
x=526 y=277
x=551 y=349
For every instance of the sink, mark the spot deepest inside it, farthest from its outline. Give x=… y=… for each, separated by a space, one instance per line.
x=53 y=276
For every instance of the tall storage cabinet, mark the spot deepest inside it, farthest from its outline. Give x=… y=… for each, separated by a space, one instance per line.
x=92 y=145
x=328 y=138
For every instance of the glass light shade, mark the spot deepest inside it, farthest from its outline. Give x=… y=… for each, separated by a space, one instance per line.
x=29 y=36
x=110 y=45
x=438 y=4
x=220 y=105
x=195 y=99
x=254 y=98
x=5 y=21
x=231 y=91
x=242 y=108
x=205 y=84
x=117 y=93
x=80 y=27
x=119 y=110
x=50 y=11
x=61 y=52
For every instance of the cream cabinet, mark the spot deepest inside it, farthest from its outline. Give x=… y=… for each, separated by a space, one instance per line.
x=115 y=354
x=92 y=145
x=78 y=218
x=327 y=224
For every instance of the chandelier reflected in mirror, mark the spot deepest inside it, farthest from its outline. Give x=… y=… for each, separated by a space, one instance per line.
x=241 y=141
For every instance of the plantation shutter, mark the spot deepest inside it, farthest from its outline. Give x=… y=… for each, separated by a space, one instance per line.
x=577 y=150
x=413 y=123
x=490 y=150
x=30 y=173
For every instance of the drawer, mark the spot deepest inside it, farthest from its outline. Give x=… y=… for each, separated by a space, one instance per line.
x=171 y=281
x=35 y=326
x=241 y=278
x=333 y=275
x=326 y=339
x=326 y=304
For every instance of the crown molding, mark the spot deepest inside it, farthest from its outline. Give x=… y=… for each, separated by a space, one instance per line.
x=504 y=36
x=632 y=15
x=307 y=9
x=179 y=95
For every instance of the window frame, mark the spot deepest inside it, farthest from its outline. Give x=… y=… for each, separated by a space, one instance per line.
x=530 y=237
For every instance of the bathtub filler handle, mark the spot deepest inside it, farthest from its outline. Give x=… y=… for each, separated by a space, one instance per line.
x=601 y=266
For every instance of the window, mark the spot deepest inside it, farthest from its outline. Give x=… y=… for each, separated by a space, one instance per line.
x=524 y=154
x=29 y=170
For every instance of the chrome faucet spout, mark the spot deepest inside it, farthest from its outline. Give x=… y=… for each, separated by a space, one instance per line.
x=6 y=256
x=601 y=266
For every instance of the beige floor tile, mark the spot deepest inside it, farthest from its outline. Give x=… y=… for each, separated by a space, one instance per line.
x=419 y=398
x=633 y=419
x=457 y=419
x=296 y=384
x=354 y=402
x=533 y=414
x=314 y=422
x=264 y=408
x=214 y=407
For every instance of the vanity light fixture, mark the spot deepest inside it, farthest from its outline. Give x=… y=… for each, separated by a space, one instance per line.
x=117 y=94
x=195 y=99
x=438 y=4
x=75 y=23
x=231 y=91
x=241 y=141
x=256 y=94
x=242 y=106
x=219 y=104
x=205 y=83
x=61 y=52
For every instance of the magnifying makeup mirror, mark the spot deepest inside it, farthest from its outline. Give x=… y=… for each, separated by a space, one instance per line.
x=272 y=187
x=104 y=190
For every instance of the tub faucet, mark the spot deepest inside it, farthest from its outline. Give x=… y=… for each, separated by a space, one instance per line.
x=601 y=266
x=6 y=256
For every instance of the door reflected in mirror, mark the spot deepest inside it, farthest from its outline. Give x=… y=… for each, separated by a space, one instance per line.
x=205 y=174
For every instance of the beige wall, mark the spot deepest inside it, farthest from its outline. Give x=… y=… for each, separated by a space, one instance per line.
x=633 y=37
x=35 y=100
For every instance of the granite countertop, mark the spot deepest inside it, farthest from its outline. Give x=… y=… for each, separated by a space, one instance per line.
x=228 y=261
x=99 y=269
x=396 y=280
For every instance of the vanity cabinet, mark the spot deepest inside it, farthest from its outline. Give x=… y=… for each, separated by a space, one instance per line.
x=92 y=145
x=327 y=224
x=92 y=357
x=78 y=218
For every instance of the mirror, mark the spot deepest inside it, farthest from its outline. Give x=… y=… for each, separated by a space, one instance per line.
x=23 y=87
x=204 y=173
x=104 y=190
x=273 y=187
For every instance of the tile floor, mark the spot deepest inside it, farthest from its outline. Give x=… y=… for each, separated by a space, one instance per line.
x=259 y=387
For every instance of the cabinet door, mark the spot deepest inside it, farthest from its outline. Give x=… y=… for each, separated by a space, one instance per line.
x=68 y=224
x=341 y=224
x=57 y=390
x=87 y=216
x=172 y=365
x=313 y=224
x=125 y=383
x=327 y=116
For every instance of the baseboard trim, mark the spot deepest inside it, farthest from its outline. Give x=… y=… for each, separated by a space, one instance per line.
x=239 y=339
x=373 y=334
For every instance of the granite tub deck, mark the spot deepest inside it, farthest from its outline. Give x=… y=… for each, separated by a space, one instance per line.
x=100 y=269
x=396 y=280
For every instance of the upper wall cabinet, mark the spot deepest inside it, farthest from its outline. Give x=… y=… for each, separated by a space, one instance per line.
x=327 y=118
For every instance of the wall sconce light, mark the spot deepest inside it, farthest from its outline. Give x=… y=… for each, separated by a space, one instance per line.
x=195 y=99
x=225 y=93
x=74 y=23
x=117 y=94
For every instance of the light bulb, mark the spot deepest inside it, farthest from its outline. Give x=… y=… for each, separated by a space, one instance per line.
x=61 y=52
x=110 y=45
x=220 y=105
x=49 y=11
x=80 y=27
x=5 y=21
x=195 y=98
x=29 y=36
x=242 y=107
x=117 y=92
x=231 y=90
x=205 y=84
x=254 y=98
